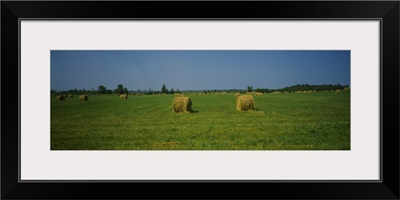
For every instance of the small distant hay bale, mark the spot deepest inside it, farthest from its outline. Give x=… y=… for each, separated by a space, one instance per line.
x=178 y=95
x=83 y=98
x=71 y=96
x=123 y=96
x=60 y=97
x=259 y=94
x=245 y=102
x=182 y=104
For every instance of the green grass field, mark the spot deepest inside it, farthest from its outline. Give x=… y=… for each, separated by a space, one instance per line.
x=293 y=121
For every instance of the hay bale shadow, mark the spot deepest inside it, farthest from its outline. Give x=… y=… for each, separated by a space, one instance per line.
x=193 y=111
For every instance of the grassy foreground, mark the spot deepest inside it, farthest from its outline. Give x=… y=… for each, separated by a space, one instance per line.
x=293 y=121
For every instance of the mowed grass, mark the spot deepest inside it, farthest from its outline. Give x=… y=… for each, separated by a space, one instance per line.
x=293 y=121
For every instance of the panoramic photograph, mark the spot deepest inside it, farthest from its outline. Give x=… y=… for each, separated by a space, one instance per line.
x=200 y=99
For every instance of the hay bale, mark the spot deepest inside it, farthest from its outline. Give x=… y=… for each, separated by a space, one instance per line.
x=60 y=97
x=259 y=94
x=236 y=95
x=83 y=98
x=245 y=102
x=178 y=95
x=123 y=96
x=182 y=104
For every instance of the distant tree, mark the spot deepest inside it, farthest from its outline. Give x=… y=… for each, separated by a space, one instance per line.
x=125 y=90
x=120 y=89
x=177 y=91
x=172 y=91
x=102 y=89
x=249 y=88
x=164 y=89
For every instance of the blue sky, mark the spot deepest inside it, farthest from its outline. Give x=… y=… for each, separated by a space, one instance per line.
x=196 y=69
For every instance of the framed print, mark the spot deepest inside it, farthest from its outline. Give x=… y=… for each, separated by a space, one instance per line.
x=277 y=95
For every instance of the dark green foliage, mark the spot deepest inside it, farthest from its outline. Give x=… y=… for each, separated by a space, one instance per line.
x=120 y=89
x=249 y=88
x=307 y=87
x=303 y=87
x=102 y=89
x=164 y=89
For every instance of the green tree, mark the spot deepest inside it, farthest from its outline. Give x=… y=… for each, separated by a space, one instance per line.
x=172 y=91
x=120 y=89
x=177 y=91
x=125 y=90
x=249 y=88
x=102 y=89
x=164 y=89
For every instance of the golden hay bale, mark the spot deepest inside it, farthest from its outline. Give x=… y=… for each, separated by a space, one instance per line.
x=236 y=95
x=178 y=95
x=245 y=102
x=182 y=104
x=60 y=97
x=258 y=94
x=123 y=96
x=83 y=98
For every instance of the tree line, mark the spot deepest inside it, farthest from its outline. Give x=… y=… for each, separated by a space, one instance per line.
x=100 y=90
x=164 y=90
x=304 y=87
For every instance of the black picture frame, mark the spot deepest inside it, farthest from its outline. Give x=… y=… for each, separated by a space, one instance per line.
x=386 y=11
